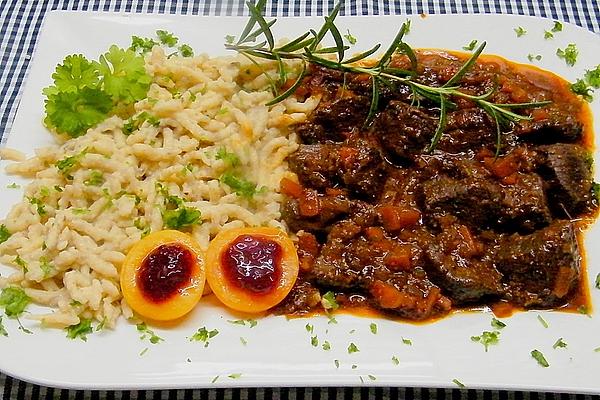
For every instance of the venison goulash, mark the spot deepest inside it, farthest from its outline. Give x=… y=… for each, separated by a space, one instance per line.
x=489 y=214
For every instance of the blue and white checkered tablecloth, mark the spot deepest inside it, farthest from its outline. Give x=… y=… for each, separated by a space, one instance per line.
x=20 y=22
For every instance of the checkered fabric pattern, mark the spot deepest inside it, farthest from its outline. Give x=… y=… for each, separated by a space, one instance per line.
x=20 y=22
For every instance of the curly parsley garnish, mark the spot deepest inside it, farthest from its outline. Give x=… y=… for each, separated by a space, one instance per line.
x=569 y=54
x=487 y=338
x=585 y=86
x=14 y=300
x=329 y=302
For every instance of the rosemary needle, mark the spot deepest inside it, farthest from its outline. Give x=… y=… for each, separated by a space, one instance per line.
x=309 y=49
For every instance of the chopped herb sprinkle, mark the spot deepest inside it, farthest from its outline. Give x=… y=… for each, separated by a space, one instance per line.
x=559 y=344
x=542 y=321
x=487 y=338
x=539 y=357
x=458 y=383
x=352 y=348
x=497 y=324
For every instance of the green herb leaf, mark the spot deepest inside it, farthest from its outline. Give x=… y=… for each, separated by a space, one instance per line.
x=352 y=348
x=329 y=302
x=569 y=54
x=560 y=343
x=597 y=283
x=214 y=379
x=557 y=27
x=407 y=342
x=337 y=363
x=532 y=57
x=497 y=324
x=4 y=233
x=203 y=335
x=68 y=163
x=373 y=328
x=134 y=123
x=181 y=217
x=3 y=331
x=234 y=376
x=372 y=377
x=395 y=360
x=239 y=186
x=314 y=341
x=142 y=45
x=243 y=341
x=349 y=37
x=147 y=333
x=487 y=338
x=458 y=383
x=470 y=46
x=229 y=39
x=230 y=159
x=124 y=75
x=167 y=38
x=13 y=186
x=520 y=31
x=14 y=300
x=539 y=357
x=186 y=50
x=326 y=345
x=81 y=330
x=548 y=35
x=542 y=321
x=309 y=328
x=96 y=178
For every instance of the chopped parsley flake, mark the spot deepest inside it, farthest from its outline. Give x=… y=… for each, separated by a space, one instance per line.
x=372 y=377
x=395 y=360
x=250 y=322
x=471 y=46
x=142 y=45
x=94 y=179
x=203 y=335
x=167 y=38
x=314 y=341
x=543 y=321
x=134 y=123
x=497 y=324
x=309 y=328
x=68 y=163
x=487 y=338
x=569 y=54
x=548 y=35
x=234 y=376
x=560 y=343
x=80 y=330
x=186 y=50
x=3 y=331
x=13 y=186
x=4 y=233
x=243 y=341
x=46 y=267
x=41 y=210
x=239 y=186
x=407 y=342
x=229 y=39
x=21 y=263
x=181 y=217
x=354 y=366
x=337 y=362
x=352 y=348
x=144 y=351
x=373 y=328
x=216 y=378
x=230 y=159
x=458 y=383
x=147 y=333
x=326 y=345
x=520 y=31
x=329 y=302
x=585 y=87
x=349 y=37
x=597 y=350
x=539 y=357
x=14 y=300
x=597 y=280
x=558 y=27
x=331 y=319
x=532 y=57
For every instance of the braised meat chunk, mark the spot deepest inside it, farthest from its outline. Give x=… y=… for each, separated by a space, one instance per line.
x=412 y=213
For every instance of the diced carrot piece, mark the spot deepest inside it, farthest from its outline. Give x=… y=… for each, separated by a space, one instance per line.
x=386 y=295
x=309 y=203
x=399 y=259
x=290 y=188
x=374 y=233
x=539 y=114
x=334 y=191
x=394 y=218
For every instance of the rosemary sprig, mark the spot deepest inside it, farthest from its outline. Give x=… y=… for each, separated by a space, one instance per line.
x=309 y=49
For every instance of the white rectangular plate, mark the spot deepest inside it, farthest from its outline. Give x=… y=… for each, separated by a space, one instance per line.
x=279 y=351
